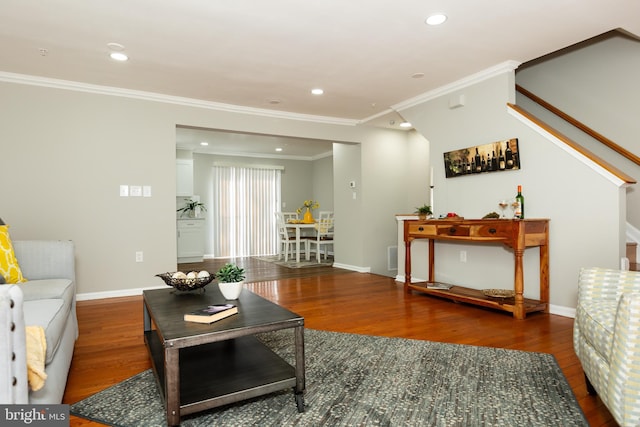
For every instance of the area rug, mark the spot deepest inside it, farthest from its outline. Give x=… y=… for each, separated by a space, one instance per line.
x=359 y=380
x=291 y=263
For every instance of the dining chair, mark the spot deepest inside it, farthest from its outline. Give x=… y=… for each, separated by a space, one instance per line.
x=287 y=242
x=325 y=215
x=324 y=234
x=290 y=216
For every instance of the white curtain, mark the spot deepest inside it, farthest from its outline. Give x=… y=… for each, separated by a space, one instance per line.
x=245 y=200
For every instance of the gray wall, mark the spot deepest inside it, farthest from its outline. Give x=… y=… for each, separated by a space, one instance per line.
x=598 y=85
x=66 y=152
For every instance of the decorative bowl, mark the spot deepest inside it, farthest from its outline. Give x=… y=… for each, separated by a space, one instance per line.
x=186 y=284
x=499 y=293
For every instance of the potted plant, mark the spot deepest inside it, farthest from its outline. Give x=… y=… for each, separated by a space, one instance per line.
x=230 y=278
x=192 y=208
x=424 y=211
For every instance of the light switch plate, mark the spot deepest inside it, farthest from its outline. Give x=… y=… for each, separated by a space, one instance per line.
x=135 y=190
x=146 y=191
x=124 y=191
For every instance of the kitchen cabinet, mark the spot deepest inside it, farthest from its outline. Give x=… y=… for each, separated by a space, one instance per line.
x=191 y=240
x=184 y=177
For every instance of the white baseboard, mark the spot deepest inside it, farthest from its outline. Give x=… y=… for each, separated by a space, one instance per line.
x=353 y=268
x=115 y=294
x=562 y=311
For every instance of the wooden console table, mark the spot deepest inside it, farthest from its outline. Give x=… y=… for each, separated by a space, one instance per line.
x=515 y=234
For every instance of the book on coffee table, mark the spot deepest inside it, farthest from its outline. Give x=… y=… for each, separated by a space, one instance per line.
x=211 y=313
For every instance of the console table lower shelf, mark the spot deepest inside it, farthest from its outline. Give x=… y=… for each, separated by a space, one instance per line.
x=476 y=297
x=224 y=372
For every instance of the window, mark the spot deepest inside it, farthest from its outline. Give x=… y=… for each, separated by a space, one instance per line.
x=245 y=199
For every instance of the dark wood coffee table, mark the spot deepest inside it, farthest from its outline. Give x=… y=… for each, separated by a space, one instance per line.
x=199 y=366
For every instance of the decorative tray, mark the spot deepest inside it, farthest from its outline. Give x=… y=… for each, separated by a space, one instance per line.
x=189 y=284
x=499 y=293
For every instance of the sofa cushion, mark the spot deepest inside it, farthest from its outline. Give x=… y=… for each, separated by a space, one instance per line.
x=49 y=288
x=597 y=320
x=52 y=315
x=9 y=267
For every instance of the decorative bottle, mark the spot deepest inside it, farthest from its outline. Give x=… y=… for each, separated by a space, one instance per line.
x=518 y=213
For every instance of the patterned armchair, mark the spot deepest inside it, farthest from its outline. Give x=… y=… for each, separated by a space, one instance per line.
x=606 y=338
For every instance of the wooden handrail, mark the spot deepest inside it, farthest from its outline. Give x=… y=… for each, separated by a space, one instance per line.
x=574 y=145
x=586 y=129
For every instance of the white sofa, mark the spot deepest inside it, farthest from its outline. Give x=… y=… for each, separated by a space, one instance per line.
x=47 y=299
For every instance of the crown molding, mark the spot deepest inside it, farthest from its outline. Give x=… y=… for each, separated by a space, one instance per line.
x=504 y=67
x=267 y=156
x=169 y=99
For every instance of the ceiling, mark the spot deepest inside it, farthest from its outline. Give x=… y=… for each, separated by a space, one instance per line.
x=369 y=56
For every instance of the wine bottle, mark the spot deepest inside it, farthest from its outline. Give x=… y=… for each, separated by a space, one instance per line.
x=518 y=213
x=494 y=162
x=478 y=162
x=508 y=154
x=501 y=164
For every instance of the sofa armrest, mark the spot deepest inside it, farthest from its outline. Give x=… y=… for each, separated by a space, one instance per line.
x=606 y=284
x=14 y=388
x=624 y=372
x=46 y=259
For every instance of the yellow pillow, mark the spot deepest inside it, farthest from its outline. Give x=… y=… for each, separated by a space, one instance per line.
x=9 y=267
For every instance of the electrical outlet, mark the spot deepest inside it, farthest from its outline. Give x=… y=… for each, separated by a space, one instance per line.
x=139 y=256
x=463 y=256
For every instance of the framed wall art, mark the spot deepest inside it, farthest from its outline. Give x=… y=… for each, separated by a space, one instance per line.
x=497 y=156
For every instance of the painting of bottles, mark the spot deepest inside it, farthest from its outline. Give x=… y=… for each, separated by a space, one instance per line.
x=498 y=156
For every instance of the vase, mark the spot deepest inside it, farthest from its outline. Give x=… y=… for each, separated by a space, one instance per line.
x=308 y=218
x=231 y=291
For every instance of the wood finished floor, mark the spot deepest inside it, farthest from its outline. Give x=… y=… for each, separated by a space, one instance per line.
x=110 y=347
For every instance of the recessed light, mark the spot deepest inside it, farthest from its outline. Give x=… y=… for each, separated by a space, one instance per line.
x=317 y=91
x=405 y=125
x=278 y=149
x=204 y=143
x=436 y=19
x=118 y=56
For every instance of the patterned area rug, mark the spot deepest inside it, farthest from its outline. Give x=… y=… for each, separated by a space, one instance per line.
x=303 y=263
x=359 y=380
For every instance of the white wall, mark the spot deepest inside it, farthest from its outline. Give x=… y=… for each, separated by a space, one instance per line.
x=585 y=227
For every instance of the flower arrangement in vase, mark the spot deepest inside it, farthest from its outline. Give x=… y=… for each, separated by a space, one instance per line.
x=308 y=205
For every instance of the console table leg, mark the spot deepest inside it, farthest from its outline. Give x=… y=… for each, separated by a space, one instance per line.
x=407 y=265
x=518 y=285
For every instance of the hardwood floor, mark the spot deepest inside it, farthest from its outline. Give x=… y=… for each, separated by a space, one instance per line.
x=110 y=347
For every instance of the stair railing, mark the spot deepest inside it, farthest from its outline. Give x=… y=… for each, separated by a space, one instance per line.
x=586 y=129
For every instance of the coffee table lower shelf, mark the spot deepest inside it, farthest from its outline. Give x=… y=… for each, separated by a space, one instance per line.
x=476 y=297
x=224 y=372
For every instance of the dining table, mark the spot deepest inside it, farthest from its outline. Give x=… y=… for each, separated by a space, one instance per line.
x=300 y=226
